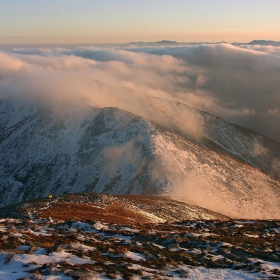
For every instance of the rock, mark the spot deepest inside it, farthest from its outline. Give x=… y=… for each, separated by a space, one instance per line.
x=272 y=224
x=172 y=245
x=72 y=220
x=199 y=226
x=80 y=275
x=31 y=250
x=91 y=222
x=49 y=268
x=55 y=248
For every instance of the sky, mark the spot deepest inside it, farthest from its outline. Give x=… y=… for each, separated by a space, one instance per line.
x=111 y=21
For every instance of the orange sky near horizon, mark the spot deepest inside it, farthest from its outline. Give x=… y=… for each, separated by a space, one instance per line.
x=68 y=21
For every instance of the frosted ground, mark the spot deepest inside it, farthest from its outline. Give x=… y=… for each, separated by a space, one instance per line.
x=235 y=249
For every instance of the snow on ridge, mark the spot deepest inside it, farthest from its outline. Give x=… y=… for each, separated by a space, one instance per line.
x=114 y=151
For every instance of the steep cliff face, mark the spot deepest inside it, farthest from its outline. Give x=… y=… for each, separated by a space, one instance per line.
x=70 y=149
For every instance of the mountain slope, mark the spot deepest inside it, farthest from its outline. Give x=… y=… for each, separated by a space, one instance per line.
x=113 y=151
x=13 y=112
x=249 y=146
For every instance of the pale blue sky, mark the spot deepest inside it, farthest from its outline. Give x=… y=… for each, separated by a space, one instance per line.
x=104 y=21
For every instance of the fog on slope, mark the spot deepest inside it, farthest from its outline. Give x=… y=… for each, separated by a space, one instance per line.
x=259 y=202
x=240 y=84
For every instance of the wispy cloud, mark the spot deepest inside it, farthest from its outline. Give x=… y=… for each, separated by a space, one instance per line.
x=240 y=84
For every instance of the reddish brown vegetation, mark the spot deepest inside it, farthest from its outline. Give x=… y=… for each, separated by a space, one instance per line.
x=115 y=213
x=121 y=209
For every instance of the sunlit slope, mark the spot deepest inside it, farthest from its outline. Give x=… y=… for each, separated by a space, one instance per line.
x=248 y=145
x=113 y=151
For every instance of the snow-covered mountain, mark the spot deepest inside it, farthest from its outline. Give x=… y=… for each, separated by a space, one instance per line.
x=160 y=147
x=247 y=145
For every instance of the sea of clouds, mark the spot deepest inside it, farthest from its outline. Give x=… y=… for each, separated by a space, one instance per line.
x=240 y=84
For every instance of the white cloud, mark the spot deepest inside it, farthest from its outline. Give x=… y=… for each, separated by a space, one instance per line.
x=239 y=84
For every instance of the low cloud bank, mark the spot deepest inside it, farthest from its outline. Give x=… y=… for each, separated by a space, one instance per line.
x=240 y=84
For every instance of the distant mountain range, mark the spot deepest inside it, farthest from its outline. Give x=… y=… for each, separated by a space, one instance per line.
x=254 y=42
x=163 y=148
x=264 y=42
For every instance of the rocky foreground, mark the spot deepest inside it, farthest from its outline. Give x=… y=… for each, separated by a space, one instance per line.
x=36 y=247
x=43 y=249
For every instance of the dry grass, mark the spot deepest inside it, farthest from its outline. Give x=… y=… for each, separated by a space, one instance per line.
x=120 y=209
x=117 y=213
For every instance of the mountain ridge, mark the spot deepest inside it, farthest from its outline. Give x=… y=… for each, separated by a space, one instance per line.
x=114 y=151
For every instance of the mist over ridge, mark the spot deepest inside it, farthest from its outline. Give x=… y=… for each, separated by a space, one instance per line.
x=144 y=119
x=237 y=83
